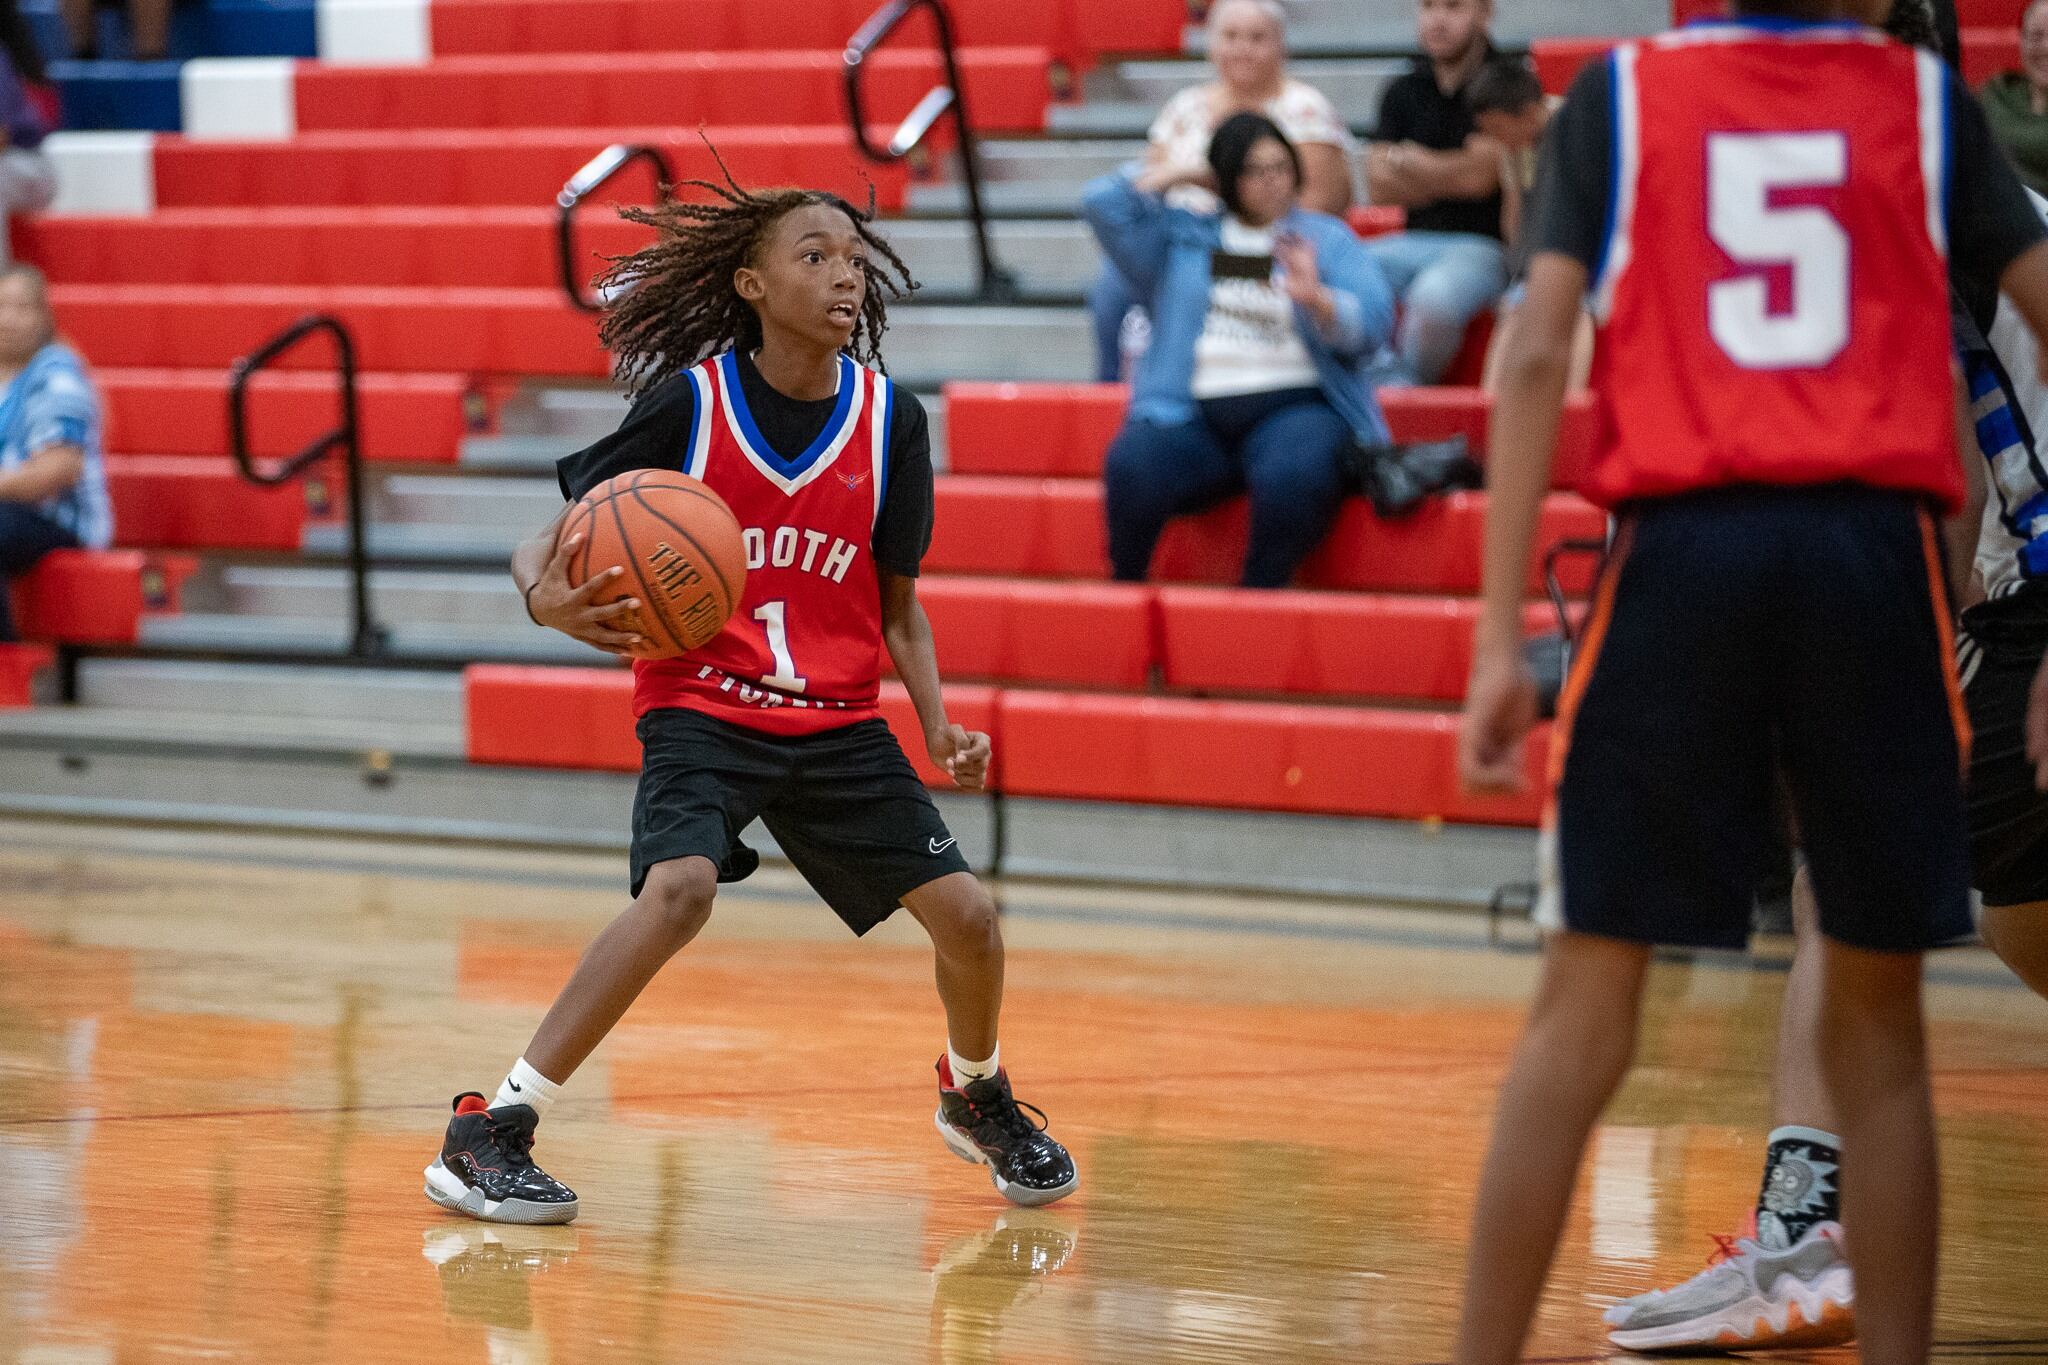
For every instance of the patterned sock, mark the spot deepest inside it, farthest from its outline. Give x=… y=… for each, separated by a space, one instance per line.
x=1799 y=1188
x=528 y=1087
x=965 y=1072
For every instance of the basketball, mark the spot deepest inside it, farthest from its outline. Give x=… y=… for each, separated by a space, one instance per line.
x=680 y=547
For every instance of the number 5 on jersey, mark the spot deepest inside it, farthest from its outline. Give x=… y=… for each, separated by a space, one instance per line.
x=1745 y=173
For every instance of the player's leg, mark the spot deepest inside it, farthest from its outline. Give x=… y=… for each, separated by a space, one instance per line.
x=701 y=782
x=1294 y=471
x=1789 y=1274
x=862 y=829
x=2019 y=935
x=1153 y=473
x=1573 y=1053
x=1874 y=745
x=967 y=951
x=1662 y=752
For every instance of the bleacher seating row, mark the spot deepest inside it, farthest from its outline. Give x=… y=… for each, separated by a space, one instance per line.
x=1240 y=755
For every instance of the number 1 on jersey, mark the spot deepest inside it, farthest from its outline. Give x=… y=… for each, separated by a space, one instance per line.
x=773 y=616
x=1744 y=171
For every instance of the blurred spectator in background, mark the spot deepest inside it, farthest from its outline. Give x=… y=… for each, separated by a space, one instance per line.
x=149 y=28
x=1248 y=48
x=28 y=110
x=1428 y=157
x=53 y=486
x=1510 y=107
x=2017 y=102
x=1264 y=316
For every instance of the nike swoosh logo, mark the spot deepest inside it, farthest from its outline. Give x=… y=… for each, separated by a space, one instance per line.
x=517 y=1088
x=938 y=847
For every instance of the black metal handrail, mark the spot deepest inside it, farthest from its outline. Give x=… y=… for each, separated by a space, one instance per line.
x=997 y=284
x=366 y=638
x=1553 y=583
x=581 y=186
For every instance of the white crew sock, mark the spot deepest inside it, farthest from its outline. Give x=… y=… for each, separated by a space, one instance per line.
x=965 y=1071
x=528 y=1087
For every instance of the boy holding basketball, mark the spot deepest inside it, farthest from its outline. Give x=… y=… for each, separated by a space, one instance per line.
x=739 y=330
x=1761 y=213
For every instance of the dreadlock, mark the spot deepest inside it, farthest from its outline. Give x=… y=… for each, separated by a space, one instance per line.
x=1912 y=23
x=674 y=301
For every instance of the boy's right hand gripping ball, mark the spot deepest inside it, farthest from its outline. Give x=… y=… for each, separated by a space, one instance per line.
x=680 y=546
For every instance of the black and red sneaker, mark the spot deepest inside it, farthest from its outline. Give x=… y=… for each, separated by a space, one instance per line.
x=486 y=1167
x=983 y=1123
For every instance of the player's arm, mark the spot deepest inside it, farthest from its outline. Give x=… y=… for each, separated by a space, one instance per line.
x=1500 y=701
x=907 y=631
x=540 y=570
x=1962 y=531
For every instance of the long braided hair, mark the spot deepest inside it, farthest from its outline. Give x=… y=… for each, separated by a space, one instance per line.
x=674 y=301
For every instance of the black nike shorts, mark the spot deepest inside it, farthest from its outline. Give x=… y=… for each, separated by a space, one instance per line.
x=1736 y=635
x=845 y=805
x=1999 y=651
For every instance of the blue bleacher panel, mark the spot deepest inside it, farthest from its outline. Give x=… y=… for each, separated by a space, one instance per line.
x=199 y=28
x=118 y=94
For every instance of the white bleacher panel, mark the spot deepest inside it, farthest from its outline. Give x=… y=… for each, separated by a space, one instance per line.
x=244 y=99
x=112 y=174
x=374 y=32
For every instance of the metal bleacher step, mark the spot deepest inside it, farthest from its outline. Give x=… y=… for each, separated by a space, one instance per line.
x=425 y=644
x=1038 y=177
x=152 y=728
x=338 y=693
x=1053 y=261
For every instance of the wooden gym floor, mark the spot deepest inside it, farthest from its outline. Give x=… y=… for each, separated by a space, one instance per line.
x=224 y=1061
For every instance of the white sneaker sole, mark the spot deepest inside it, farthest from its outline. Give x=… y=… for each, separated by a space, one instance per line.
x=965 y=1149
x=445 y=1189
x=1820 y=1315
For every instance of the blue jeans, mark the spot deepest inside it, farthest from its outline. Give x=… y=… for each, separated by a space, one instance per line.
x=26 y=535
x=1443 y=280
x=1110 y=300
x=1286 y=449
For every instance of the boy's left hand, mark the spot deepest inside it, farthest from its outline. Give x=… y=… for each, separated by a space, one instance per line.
x=963 y=753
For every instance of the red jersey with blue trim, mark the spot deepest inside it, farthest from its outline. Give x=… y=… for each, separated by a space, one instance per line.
x=803 y=650
x=1772 y=294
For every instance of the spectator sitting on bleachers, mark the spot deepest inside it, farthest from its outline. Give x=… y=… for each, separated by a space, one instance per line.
x=1248 y=48
x=1428 y=157
x=1264 y=316
x=53 y=487
x=2016 y=102
x=27 y=180
x=149 y=28
x=1510 y=107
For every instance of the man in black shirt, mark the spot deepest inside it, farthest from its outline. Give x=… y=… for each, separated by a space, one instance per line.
x=1428 y=157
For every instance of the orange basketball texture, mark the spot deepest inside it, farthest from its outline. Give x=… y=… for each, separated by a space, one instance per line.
x=680 y=547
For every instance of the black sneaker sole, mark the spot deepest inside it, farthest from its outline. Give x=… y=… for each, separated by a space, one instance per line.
x=447 y=1190
x=962 y=1146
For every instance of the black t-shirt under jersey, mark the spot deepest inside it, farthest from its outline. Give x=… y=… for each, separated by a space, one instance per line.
x=656 y=435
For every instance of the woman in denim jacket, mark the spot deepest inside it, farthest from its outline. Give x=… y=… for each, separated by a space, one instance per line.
x=1264 y=316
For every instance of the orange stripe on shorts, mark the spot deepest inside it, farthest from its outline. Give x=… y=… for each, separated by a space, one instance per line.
x=1944 y=626
x=1586 y=654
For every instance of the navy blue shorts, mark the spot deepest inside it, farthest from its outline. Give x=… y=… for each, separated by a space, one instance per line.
x=1737 y=634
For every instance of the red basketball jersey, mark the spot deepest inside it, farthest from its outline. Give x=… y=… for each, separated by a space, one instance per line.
x=803 y=650
x=1773 y=296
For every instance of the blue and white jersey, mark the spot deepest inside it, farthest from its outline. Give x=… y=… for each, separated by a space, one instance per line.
x=2010 y=406
x=52 y=402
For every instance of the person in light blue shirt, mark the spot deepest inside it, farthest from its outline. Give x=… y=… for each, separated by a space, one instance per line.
x=53 y=484
x=1265 y=316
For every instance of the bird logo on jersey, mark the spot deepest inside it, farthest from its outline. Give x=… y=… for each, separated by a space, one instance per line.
x=853 y=479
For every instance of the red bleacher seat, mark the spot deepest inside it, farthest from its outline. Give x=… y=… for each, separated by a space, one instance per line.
x=409 y=417
x=535 y=717
x=428 y=247
x=1244 y=755
x=1376 y=220
x=1320 y=643
x=1010 y=89
x=1082 y=634
x=96 y=597
x=19 y=665
x=1063 y=430
x=514 y=166
x=183 y=503
x=1074 y=30
x=1053 y=528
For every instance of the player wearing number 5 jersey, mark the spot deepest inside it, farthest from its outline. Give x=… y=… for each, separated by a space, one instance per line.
x=742 y=329
x=1760 y=214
